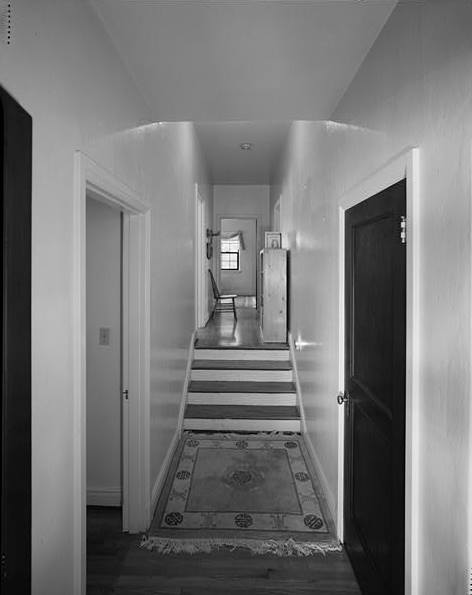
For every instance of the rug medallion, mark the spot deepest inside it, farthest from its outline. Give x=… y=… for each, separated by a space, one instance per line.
x=224 y=488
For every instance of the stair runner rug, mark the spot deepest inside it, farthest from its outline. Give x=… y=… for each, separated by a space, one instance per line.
x=256 y=491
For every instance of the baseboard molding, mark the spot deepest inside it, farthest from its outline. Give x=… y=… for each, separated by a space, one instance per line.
x=296 y=380
x=188 y=373
x=161 y=476
x=330 y=499
x=104 y=496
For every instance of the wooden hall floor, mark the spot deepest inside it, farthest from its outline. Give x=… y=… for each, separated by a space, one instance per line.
x=117 y=565
x=224 y=331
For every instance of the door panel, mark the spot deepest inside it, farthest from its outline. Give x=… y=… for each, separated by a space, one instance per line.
x=375 y=385
x=16 y=149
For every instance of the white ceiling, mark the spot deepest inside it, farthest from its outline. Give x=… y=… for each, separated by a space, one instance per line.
x=227 y=163
x=242 y=69
x=223 y=60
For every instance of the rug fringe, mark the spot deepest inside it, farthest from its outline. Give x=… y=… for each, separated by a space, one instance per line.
x=289 y=547
x=235 y=435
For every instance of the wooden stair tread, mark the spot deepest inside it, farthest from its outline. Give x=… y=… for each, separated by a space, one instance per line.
x=232 y=386
x=200 y=344
x=241 y=412
x=208 y=364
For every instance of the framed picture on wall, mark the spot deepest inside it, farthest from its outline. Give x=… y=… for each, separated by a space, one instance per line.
x=273 y=239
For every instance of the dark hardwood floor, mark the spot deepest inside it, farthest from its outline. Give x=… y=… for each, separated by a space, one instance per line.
x=117 y=565
x=224 y=331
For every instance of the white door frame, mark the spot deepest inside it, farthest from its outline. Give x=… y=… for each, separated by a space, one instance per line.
x=102 y=185
x=406 y=164
x=124 y=368
x=201 y=276
x=276 y=215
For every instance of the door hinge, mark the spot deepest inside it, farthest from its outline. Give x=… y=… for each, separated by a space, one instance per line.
x=4 y=567
x=125 y=394
x=403 y=229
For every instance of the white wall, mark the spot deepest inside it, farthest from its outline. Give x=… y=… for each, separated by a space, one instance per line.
x=103 y=279
x=308 y=219
x=64 y=71
x=414 y=88
x=243 y=60
x=242 y=201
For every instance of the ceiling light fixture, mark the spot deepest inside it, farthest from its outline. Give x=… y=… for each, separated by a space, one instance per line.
x=246 y=146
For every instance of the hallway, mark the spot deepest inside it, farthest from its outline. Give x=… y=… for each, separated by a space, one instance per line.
x=116 y=563
x=289 y=113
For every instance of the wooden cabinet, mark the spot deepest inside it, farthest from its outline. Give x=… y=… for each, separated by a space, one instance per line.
x=273 y=302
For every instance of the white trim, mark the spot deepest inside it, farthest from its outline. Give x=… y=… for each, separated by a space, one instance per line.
x=469 y=448
x=243 y=425
x=244 y=375
x=296 y=380
x=124 y=385
x=161 y=476
x=276 y=215
x=327 y=492
x=242 y=354
x=330 y=499
x=90 y=178
x=99 y=496
x=406 y=164
x=201 y=277
x=188 y=372
x=287 y=399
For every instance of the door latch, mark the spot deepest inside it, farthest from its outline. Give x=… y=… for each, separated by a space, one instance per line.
x=343 y=397
x=125 y=394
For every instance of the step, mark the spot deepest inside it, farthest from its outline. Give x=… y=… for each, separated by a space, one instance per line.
x=243 y=425
x=242 y=375
x=198 y=386
x=242 y=370
x=279 y=354
x=209 y=364
x=237 y=417
x=221 y=398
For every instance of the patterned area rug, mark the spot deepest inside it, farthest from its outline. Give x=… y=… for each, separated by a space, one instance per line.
x=256 y=491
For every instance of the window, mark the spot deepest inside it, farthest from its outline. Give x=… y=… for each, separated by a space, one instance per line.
x=230 y=254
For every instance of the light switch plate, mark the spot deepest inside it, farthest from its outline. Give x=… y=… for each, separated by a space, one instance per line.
x=104 y=336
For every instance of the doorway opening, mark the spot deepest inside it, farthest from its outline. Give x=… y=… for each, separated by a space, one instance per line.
x=201 y=274
x=237 y=259
x=92 y=180
x=374 y=395
x=107 y=412
x=404 y=166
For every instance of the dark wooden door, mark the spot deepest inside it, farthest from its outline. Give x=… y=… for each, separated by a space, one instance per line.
x=375 y=352
x=15 y=213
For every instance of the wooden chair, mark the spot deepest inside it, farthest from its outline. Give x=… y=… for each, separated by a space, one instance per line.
x=222 y=301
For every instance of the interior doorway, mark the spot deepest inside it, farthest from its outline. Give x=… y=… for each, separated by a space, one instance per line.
x=107 y=365
x=201 y=266
x=93 y=180
x=375 y=389
x=237 y=261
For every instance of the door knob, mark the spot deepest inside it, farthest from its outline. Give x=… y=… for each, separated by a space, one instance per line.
x=343 y=397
